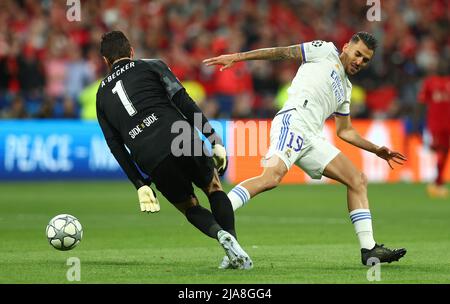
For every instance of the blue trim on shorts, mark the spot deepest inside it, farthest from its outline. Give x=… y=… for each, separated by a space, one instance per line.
x=285 y=111
x=342 y=114
x=283 y=133
x=288 y=118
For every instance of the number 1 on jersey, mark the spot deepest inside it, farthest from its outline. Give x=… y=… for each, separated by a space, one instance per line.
x=120 y=90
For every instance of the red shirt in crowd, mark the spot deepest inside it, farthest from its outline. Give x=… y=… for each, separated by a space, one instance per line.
x=435 y=93
x=233 y=81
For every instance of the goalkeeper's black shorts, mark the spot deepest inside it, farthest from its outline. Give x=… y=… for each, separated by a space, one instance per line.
x=174 y=176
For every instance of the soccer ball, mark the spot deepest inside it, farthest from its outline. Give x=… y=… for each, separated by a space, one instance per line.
x=64 y=232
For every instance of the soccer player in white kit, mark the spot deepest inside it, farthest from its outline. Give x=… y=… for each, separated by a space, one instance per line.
x=320 y=89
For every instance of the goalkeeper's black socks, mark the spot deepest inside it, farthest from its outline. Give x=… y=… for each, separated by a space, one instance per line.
x=222 y=210
x=203 y=219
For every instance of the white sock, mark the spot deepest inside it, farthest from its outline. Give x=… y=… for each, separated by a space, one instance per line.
x=238 y=196
x=362 y=220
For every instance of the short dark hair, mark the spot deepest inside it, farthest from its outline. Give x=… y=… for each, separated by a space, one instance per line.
x=115 y=45
x=369 y=40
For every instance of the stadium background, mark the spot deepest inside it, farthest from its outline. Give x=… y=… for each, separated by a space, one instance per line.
x=50 y=69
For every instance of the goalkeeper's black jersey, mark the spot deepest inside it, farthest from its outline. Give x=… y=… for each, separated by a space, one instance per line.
x=136 y=107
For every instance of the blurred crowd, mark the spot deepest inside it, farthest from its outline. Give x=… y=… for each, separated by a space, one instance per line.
x=50 y=67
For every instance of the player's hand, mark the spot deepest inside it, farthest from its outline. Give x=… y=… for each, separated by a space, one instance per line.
x=148 y=200
x=220 y=158
x=227 y=61
x=388 y=155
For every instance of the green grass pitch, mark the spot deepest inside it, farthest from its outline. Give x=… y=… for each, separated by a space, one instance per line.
x=294 y=234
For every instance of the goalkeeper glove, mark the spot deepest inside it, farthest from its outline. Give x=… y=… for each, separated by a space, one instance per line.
x=220 y=158
x=148 y=200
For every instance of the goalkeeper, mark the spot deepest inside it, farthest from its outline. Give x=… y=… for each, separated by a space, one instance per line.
x=141 y=106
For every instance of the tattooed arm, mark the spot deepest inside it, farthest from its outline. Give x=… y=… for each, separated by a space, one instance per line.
x=276 y=53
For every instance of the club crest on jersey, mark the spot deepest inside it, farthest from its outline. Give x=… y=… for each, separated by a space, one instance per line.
x=317 y=43
x=288 y=153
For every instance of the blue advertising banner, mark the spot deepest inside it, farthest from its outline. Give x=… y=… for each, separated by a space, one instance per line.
x=54 y=149
x=58 y=150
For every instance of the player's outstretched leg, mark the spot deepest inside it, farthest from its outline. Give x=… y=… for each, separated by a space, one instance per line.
x=342 y=170
x=237 y=257
x=223 y=213
x=274 y=170
x=203 y=219
x=220 y=205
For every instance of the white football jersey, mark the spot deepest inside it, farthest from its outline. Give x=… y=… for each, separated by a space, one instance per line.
x=321 y=87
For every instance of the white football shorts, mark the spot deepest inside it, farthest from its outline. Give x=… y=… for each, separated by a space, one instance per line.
x=293 y=144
